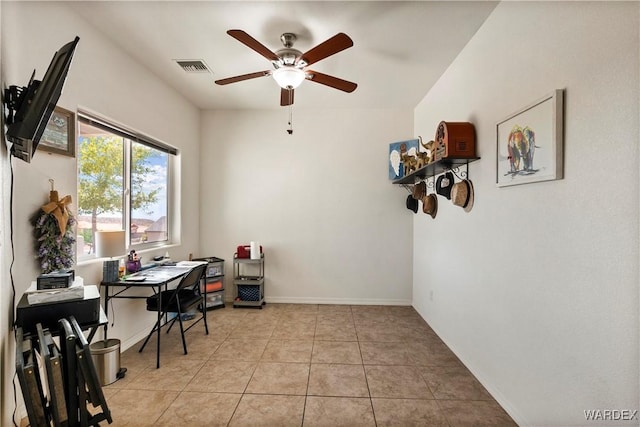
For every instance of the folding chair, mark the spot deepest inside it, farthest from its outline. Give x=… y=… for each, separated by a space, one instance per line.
x=179 y=301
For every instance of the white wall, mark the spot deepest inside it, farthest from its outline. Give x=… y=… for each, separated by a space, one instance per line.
x=333 y=228
x=536 y=289
x=104 y=80
x=6 y=308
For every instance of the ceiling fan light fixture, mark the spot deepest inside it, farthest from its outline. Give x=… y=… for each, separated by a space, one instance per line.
x=288 y=77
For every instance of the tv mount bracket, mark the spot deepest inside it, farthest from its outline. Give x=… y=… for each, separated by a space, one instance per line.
x=15 y=96
x=12 y=101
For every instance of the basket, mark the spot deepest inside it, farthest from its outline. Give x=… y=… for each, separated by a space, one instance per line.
x=134 y=266
x=249 y=292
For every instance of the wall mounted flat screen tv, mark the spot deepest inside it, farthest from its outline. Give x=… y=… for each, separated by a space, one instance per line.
x=31 y=106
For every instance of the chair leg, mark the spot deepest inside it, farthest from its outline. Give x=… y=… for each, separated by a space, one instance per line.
x=171 y=324
x=184 y=342
x=154 y=329
x=204 y=316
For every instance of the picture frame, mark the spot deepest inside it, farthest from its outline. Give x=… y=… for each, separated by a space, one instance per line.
x=59 y=136
x=396 y=150
x=529 y=142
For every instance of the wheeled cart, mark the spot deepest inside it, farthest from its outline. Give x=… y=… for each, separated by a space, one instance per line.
x=248 y=282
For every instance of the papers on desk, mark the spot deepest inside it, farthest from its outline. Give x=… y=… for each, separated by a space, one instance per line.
x=190 y=264
x=161 y=273
x=43 y=296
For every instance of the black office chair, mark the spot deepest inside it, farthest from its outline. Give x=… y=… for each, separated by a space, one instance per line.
x=180 y=300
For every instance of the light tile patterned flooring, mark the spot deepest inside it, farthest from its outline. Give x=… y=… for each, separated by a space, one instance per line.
x=302 y=365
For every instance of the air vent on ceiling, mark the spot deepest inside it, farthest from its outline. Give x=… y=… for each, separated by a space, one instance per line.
x=193 y=65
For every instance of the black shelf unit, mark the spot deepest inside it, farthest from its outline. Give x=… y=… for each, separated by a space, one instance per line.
x=435 y=168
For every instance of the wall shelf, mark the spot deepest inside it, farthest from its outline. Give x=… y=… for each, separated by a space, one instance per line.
x=436 y=168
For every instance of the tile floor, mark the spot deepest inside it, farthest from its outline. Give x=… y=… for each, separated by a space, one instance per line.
x=302 y=365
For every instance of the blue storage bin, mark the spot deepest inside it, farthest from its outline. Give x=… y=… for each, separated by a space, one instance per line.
x=249 y=292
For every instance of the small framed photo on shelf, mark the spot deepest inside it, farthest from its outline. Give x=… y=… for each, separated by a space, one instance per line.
x=530 y=143
x=59 y=136
x=400 y=153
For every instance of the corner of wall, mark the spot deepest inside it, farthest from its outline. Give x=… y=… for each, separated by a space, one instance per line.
x=7 y=297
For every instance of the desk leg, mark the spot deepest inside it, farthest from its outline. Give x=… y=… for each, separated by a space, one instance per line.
x=158 y=333
x=106 y=310
x=92 y=333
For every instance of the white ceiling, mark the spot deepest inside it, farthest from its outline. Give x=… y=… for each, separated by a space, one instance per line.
x=400 y=48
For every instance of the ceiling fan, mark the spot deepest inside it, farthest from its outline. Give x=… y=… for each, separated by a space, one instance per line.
x=290 y=64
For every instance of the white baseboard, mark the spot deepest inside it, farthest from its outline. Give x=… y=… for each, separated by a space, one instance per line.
x=136 y=339
x=335 y=301
x=483 y=379
x=133 y=340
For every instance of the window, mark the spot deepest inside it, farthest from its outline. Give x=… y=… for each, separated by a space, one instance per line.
x=123 y=182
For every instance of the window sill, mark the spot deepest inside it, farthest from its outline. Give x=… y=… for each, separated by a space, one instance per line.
x=89 y=261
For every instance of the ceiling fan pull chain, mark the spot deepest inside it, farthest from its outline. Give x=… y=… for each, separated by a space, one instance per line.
x=290 y=130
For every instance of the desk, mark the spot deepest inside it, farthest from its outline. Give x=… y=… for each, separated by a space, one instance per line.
x=155 y=278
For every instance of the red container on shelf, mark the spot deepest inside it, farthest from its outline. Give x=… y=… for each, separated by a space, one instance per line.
x=244 y=251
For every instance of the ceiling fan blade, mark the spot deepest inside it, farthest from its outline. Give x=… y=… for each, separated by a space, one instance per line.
x=243 y=77
x=286 y=97
x=335 y=44
x=334 y=82
x=254 y=44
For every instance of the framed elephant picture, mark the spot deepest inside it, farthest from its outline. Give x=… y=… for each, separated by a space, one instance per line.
x=530 y=143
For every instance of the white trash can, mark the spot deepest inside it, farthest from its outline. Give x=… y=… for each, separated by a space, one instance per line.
x=106 y=358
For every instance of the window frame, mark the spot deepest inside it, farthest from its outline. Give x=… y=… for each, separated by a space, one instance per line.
x=129 y=137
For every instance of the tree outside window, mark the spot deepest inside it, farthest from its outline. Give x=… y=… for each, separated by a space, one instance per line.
x=108 y=165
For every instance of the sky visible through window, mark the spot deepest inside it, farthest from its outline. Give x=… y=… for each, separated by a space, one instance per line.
x=155 y=180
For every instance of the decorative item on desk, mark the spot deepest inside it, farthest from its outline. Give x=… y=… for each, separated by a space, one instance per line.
x=110 y=244
x=121 y=269
x=134 y=263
